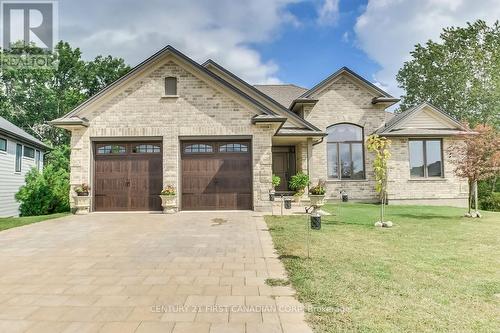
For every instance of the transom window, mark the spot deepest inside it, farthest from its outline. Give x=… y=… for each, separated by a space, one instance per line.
x=170 y=86
x=3 y=144
x=345 y=152
x=198 y=148
x=111 y=149
x=233 y=148
x=146 y=149
x=29 y=152
x=426 y=158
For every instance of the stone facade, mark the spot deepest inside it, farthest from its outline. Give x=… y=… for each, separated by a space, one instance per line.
x=346 y=101
x=448 y=190
x=139 y=110
x=202 y=109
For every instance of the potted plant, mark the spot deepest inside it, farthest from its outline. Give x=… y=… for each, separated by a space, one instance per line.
x=169 y=200
x=82 y=199
x=298 y=183
x=317 y=194
x=276 y=182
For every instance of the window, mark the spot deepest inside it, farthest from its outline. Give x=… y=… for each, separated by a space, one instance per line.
x=233 y=148
x=111 y=149
x=29 y=152
x=426 y=158
x=19 y=157
x=38 y=160
x=170 y=86
x=198 y=148
x=345 y=152
x=146 y=149
x=3 y=144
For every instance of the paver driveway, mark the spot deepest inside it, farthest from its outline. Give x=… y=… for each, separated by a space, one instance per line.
x=189 y=272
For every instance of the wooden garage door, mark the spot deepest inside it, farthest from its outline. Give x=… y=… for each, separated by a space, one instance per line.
x=216 y=175
x=127 y=176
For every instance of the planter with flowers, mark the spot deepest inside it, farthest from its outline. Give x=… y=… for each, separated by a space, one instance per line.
x=298 y=183
x=317 y=194
x=82 y=199
x=169 y=200
x=276 y=182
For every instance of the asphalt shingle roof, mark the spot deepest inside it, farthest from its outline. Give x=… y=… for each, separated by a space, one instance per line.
x=10 y=128
x=284 y=94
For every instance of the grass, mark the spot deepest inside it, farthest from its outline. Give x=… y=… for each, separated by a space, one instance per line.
x=434 y=271
x=13 y=222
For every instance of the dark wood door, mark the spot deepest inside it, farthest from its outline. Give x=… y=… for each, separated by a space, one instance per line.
x=128 y=176
x=216 y=175
x=284 y=165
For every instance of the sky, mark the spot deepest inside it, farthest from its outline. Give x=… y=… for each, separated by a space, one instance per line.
x=270 y=41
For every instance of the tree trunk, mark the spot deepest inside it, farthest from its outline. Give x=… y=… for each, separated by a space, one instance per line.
x=470 y=197
x=476 y=204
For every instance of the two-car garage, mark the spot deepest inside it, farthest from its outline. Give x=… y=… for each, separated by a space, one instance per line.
x=215 y=175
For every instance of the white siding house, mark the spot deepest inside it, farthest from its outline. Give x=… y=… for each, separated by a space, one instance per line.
x=19 y=152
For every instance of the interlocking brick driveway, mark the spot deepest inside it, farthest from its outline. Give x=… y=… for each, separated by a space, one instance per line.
x=189 y=272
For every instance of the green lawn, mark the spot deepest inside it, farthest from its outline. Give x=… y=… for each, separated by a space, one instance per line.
x=434 y=271
x=12 y=222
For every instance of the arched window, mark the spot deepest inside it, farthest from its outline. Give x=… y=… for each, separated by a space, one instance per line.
x=345 y=152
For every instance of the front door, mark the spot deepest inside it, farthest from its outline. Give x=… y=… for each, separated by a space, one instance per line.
x=284 y=165
x=127 y=176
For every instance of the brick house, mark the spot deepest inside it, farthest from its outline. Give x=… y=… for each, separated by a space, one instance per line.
x=218 y=139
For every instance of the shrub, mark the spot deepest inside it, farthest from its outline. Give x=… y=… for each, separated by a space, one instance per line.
x=47 y=192
x=490 y=202
x=299 y=182
x=276 y=181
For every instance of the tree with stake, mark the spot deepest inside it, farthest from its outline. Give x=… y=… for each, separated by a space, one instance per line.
x=380 y=146
x=476 y=158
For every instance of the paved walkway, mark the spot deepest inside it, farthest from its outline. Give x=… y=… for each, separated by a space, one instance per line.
x=189 y=272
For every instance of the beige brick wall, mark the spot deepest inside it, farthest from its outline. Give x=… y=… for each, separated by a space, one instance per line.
x=449 y=190
x=202 y=109
x=347 y=101
x=344 y=101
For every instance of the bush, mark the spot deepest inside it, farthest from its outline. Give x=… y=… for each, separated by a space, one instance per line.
x=47 y=192
x=490 y=202
x=299 y=182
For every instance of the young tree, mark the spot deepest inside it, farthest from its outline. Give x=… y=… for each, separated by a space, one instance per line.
x=459 y=74
x=381 y=147
x=477 y=158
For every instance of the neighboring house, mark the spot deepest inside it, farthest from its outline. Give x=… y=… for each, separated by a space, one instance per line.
x=218 y=140
x=19 y=152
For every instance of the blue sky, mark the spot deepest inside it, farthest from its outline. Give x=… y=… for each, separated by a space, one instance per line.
x=311 y=51
x=270 y=41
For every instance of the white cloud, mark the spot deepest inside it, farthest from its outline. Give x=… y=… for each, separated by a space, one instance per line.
x=328 y=13
x=388 y=29
x=223 y=30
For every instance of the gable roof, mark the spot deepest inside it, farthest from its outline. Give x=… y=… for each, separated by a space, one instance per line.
x=284 y=94
x=395 y=126
x=9 y=129
x=269 y=98
x=345 y=70
x=168 y=50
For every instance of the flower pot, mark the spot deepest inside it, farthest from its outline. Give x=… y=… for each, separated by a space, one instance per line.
x=169 y=203
x=317 y=200
x=82 y=204
x=272 y=195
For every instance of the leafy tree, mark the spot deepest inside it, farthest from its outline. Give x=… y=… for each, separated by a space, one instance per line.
x=29 y=96
x=476 y=159
x=460 y=74
x=380 y=146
